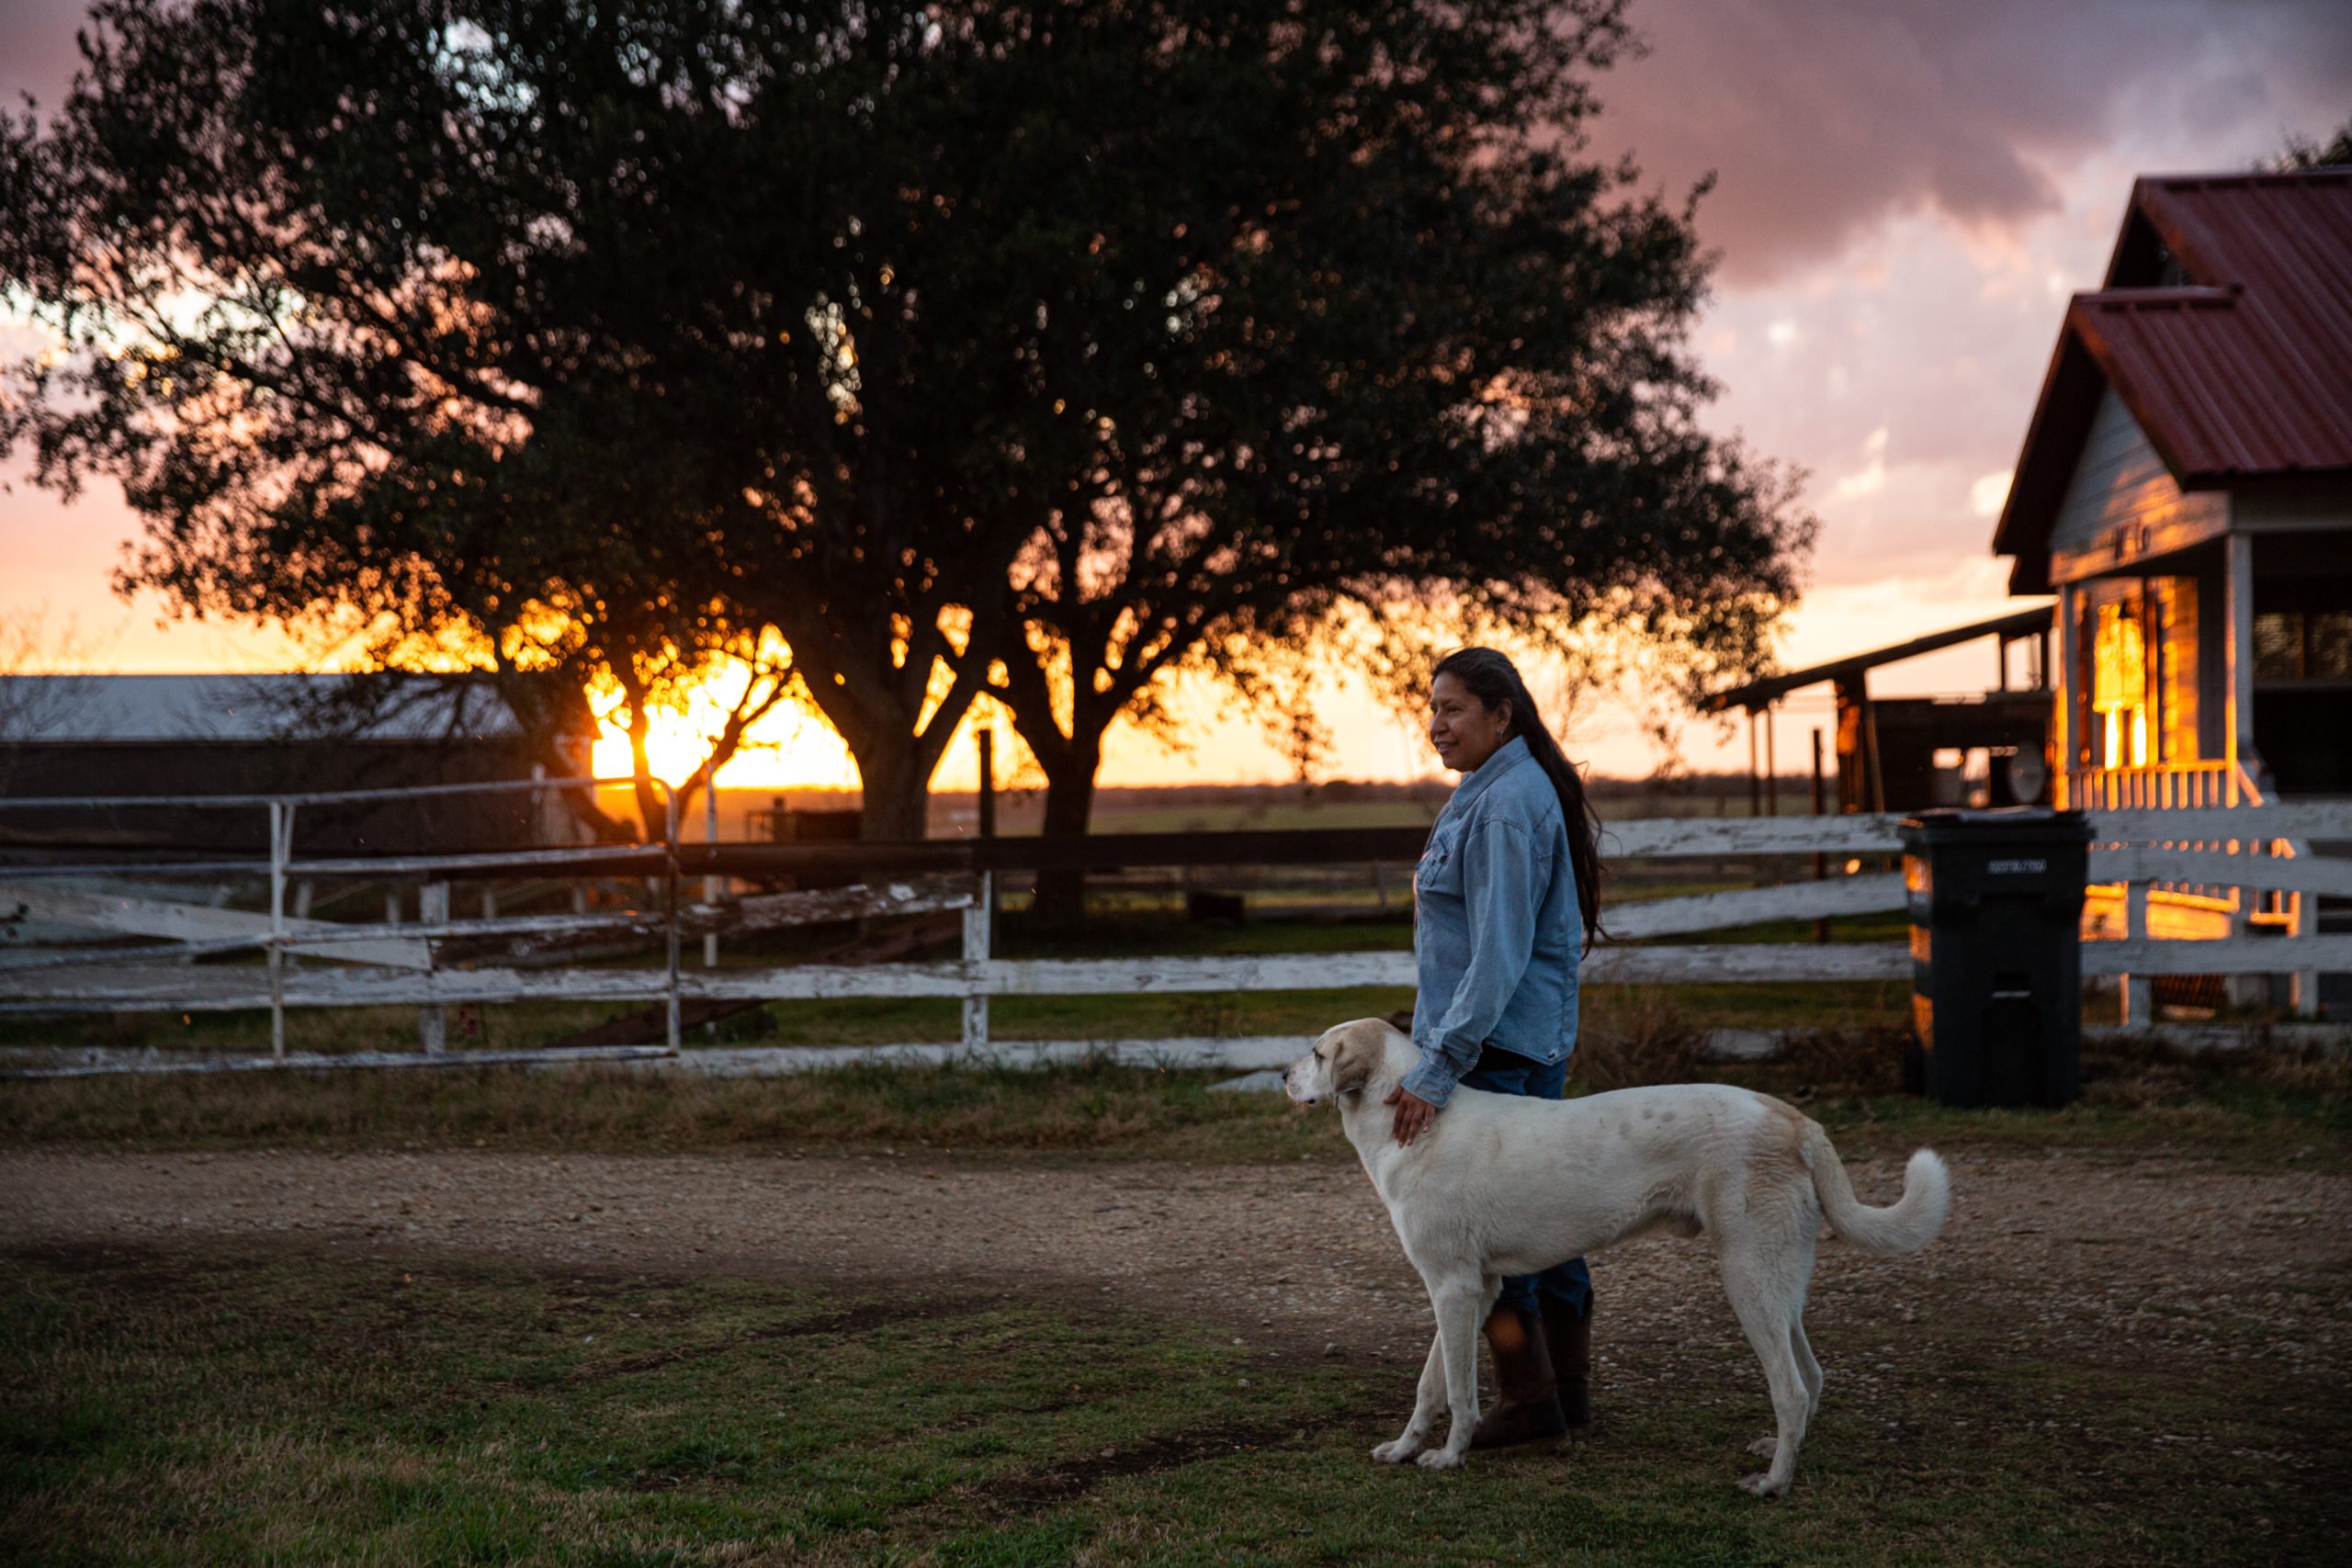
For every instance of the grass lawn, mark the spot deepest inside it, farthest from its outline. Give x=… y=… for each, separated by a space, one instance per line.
x=888 y=1020
x=2271 y=1109
x=236 y=1401
x=282 y=1408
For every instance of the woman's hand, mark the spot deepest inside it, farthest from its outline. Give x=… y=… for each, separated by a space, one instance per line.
x=1414 y=1114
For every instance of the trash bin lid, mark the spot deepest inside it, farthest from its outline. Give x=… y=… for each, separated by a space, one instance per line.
x=2007 y=824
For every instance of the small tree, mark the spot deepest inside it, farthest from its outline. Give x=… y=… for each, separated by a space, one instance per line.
x=2304 y=153
x=38 y=693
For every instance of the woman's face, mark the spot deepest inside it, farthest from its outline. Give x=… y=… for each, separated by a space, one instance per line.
x=1464 y=730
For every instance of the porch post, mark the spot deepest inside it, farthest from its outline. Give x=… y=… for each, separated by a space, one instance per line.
x=2238 y=658
x=2062 y=740
x=2237 y=738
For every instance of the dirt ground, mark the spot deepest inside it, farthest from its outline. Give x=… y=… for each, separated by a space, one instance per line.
x=2066 y=1253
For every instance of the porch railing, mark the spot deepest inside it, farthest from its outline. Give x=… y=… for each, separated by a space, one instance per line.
x=2162 y=786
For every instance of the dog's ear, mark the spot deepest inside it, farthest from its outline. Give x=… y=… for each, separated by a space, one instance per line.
x=1357 y=1056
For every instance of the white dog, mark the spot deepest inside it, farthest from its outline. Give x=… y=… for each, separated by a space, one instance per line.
x=1503 y=1184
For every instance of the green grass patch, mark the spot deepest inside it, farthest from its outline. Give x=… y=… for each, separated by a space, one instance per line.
x=2258 y=1109
x=273 y=1406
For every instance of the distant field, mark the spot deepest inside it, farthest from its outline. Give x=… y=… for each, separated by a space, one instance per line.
x=1222 y=807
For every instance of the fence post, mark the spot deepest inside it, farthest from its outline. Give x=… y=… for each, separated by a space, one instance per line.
x=2139 y=990
x=976 y=934
x=2302 y=994
x=281 y=814
x=2245 y=990
x=670 y=841
x=432 y=1023
x=710 y=885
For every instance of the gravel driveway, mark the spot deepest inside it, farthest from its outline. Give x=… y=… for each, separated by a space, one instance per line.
x=2165 y=1257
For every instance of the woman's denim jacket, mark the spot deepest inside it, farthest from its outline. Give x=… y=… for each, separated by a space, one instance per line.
x=1497 y=936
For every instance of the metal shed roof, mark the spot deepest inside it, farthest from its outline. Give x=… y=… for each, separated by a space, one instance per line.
x=1763 y=694
x=99 y=709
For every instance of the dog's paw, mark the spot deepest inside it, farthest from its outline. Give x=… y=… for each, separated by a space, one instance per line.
x=1764 y=1447
x=1760 y=1484
x=1398 y=1451
x=1440 y=1458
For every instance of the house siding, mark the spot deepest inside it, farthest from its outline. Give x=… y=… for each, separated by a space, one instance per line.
x=2123 y=503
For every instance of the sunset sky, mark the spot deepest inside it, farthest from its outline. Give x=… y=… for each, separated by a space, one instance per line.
x=1907 y=190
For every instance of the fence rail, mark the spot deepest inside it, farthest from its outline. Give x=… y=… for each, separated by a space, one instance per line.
x=442 y=962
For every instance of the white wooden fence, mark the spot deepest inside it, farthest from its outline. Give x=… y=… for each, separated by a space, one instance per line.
x=2267 y=847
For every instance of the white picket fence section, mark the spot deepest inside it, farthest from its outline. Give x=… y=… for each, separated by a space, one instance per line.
x=2267 y=847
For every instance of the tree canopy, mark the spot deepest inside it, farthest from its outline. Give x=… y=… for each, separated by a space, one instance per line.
x=910 y=353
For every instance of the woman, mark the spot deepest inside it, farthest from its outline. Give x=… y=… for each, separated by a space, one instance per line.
x=1505 y=896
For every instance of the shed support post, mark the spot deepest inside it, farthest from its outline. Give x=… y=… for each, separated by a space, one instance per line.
x=1755 y=781
x=1820 y=861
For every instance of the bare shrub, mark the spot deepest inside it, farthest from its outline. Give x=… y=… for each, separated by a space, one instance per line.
x=1866 y=1061
x=1642 y=1039
x=2124 y=1073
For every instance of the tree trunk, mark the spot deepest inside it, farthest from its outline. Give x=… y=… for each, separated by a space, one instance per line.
x=650 y=811
x=1070 y=807
x=897 y=781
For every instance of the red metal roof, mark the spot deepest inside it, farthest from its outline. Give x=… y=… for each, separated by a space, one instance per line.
x=2238 y=366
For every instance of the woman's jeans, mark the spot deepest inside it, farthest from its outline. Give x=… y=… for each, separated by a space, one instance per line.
x=1506 y=1072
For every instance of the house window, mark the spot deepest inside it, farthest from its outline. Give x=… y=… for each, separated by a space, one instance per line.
x=2298 y=645
x=2120 y=687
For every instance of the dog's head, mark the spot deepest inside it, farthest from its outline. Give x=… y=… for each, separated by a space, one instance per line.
x=1344 y=1060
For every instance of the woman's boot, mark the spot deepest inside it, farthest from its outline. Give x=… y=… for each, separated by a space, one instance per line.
x=1568 y=1337
x=1528 y=1408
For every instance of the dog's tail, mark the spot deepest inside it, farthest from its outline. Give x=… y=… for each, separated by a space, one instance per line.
x=1908 y=1223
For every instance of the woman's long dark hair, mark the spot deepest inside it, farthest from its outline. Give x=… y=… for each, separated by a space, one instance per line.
x=1493 y=680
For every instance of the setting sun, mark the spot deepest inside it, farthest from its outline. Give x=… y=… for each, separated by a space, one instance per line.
x=791 y=747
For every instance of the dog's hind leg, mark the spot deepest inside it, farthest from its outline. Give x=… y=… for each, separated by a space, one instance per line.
x=1765 y=1299
x=1461 y=1303
x=1415 y=1437
x=1808 y=1368
x=1809 y=1372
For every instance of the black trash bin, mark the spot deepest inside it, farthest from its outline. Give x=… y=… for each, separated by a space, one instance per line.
x=1996 y=965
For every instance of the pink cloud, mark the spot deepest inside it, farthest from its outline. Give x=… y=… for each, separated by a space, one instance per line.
x=1822 y=118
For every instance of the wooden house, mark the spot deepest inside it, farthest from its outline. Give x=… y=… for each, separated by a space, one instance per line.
x=2186 y=491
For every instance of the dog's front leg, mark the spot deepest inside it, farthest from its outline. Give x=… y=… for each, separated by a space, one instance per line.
x=1416 y=1435
x=1458 y=1303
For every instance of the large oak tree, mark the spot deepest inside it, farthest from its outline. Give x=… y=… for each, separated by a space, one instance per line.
x=1035 y=350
